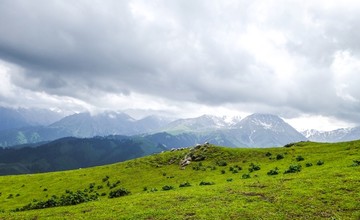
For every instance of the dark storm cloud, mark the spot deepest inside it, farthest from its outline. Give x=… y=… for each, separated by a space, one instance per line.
x=285 y=56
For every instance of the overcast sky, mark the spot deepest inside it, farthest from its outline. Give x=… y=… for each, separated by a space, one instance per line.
x=297 y=59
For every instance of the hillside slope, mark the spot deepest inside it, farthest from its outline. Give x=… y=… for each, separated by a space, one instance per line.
x=313 y=181
x=72 y=153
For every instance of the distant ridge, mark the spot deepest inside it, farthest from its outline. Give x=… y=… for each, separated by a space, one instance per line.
x=257 y=130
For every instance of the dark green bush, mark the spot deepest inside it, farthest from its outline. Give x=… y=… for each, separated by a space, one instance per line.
x=253 y=167
x=204 y=183
x=238 y=167
x=356 y=163
x=100 y=187
x=166 y=187
x=91 y=185
x=185 y=184
x=222 y=171
x=308 y=164
x=229 y=180
x=279 y=156
x=294 y=168
x=290 y=145
x=118 y=193
x=299 y=158
x=268 y=154
x=245 y=176
x=106 y=178
x=111 y=186
x=273 y=172
x=221 y=163
x=320 y=162
x=196 y=167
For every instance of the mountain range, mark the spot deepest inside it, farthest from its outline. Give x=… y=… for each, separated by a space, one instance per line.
x=338 y=135
x=257 y=130
x=28 y=126
x=22 y=117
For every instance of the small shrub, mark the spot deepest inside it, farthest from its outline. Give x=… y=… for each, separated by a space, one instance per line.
x=45 y=189
x=299 y=158
x=290 y=145
x=245 y=176
x=196 y=168
x=235 y=171
x=268 y=154
x=164 y=174
x=356 y=163
x=229 y=180
x=221 y=163
x=10 y=196
x=153 y=190
x=222 y=171
x=204 y=183
x=118 y=193
x=103 y=194
x=320 y=162
x=231 y=168
x=106 y=178
x=238 y=167
x=279 y=156
x=145 y=188
x=186 y=184
x=100 y=187
x=91 y=185
x=166 y=187
x=253 y=167
x=273 y=172
x=308 y=164
x=293 y=168
x=17 y=195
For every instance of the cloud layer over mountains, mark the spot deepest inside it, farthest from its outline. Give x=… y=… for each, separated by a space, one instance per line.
x=283 y=57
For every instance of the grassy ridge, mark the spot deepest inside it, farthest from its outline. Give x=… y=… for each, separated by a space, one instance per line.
x=330 y=190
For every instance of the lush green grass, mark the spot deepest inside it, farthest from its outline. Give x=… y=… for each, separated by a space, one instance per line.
x=328 y=191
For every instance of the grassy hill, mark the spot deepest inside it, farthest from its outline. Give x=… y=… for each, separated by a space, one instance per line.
x=313 y=181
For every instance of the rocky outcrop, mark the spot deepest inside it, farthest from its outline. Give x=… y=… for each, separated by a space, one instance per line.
x=196 y=154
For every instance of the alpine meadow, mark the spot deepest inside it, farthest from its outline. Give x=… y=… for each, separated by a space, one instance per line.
x=302 y=180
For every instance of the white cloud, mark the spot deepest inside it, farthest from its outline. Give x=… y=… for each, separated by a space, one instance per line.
x=290 y=58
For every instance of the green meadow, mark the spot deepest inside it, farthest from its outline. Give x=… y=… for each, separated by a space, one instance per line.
x=301 y=181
